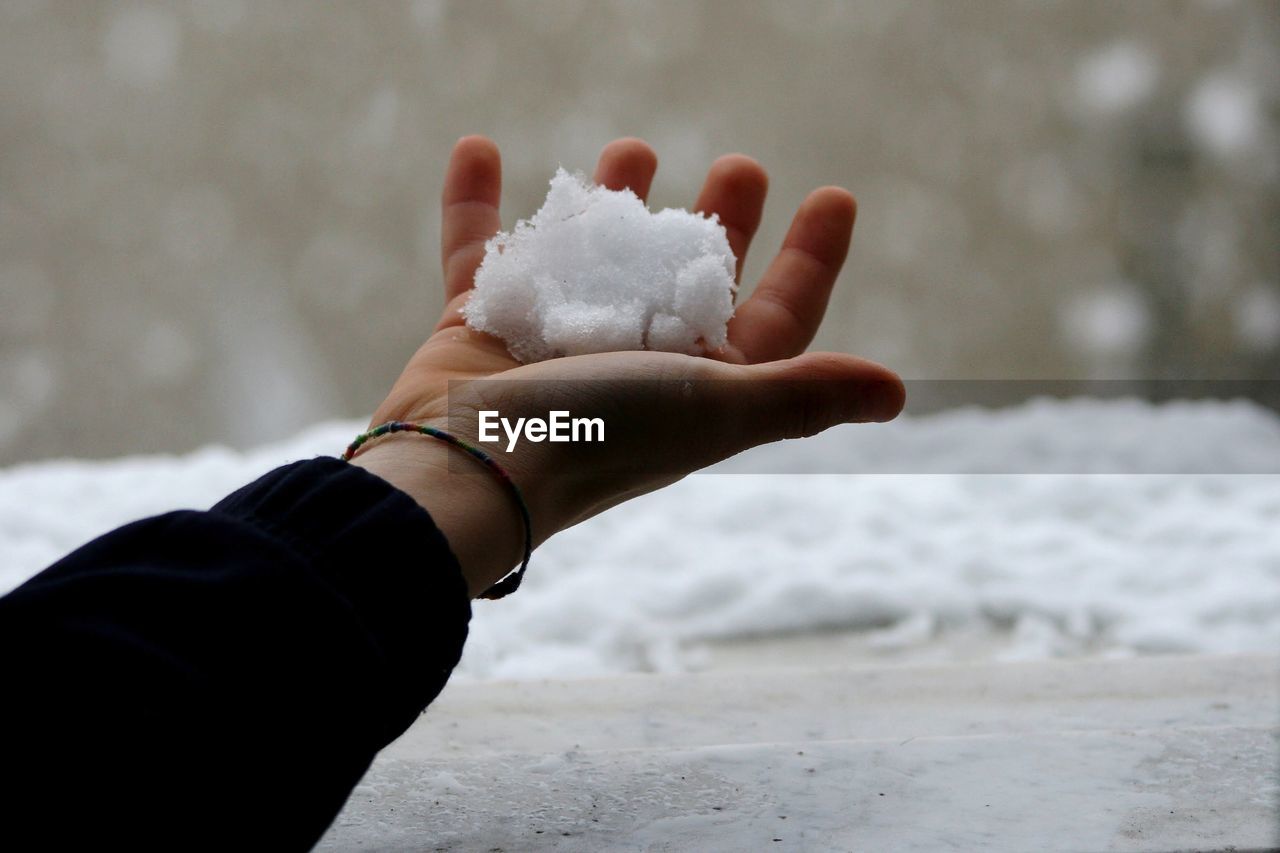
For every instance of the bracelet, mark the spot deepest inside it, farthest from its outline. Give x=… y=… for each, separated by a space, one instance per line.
x=511 y=582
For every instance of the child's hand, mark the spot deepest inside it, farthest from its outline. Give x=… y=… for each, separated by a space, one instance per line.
x=565 y=483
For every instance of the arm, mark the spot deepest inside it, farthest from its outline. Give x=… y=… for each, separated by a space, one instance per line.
x=215 y=678
x=206 y=677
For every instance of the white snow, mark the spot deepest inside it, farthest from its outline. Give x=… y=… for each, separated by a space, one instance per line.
x=1176 y=549
x=1117 y=78
x=1224 y=114
x=1111 y=320
x=1256 y=316
x=595 y=271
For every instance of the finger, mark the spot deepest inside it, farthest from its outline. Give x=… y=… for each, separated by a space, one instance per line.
x=784 y=312
x=735 y=190
x=469 y=210
x=627 y=164
x=452 y=314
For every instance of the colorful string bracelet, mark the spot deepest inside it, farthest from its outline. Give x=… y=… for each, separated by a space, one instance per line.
x=511 y=582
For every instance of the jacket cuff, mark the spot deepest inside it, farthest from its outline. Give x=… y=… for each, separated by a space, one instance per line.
x=379 y=550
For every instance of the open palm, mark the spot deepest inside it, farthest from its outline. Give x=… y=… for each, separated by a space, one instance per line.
x=777 y=322
x=658 y=431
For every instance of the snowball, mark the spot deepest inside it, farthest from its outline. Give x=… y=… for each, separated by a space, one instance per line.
x=595 y=271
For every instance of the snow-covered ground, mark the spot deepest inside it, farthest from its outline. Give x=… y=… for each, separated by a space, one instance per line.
x=1174 y=547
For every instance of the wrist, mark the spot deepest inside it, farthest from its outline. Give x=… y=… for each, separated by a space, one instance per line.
x=471 y=507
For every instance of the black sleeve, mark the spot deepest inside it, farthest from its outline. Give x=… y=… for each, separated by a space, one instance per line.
x=222 y=679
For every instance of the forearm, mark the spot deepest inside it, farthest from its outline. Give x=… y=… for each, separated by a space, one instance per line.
x=228 y=673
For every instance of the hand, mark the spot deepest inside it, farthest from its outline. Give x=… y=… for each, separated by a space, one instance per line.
x=566 y=483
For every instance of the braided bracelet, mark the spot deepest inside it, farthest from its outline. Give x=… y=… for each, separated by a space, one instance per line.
x=511 y=582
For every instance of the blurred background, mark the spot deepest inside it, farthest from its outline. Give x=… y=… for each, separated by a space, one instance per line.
x=218 y=218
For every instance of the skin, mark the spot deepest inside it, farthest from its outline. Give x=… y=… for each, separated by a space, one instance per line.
x=780 y=391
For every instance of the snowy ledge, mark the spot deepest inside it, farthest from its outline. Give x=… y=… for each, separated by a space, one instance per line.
x=919 y=567
x=1148 y=754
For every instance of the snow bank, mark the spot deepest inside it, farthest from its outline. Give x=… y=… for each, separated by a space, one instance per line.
x=1057 y=564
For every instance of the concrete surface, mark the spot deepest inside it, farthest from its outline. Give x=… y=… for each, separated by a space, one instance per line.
x=1135 y=755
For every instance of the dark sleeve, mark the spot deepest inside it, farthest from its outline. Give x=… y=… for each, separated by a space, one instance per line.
x=222 y=679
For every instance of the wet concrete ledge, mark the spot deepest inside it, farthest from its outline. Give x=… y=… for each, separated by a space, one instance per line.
x=1176 y=753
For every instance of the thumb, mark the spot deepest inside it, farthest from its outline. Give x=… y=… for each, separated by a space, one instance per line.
x=800 y=397
x=697 y=412
x=668 y=415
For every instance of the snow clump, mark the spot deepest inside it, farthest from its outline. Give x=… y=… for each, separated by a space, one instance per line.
x=595 y=271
